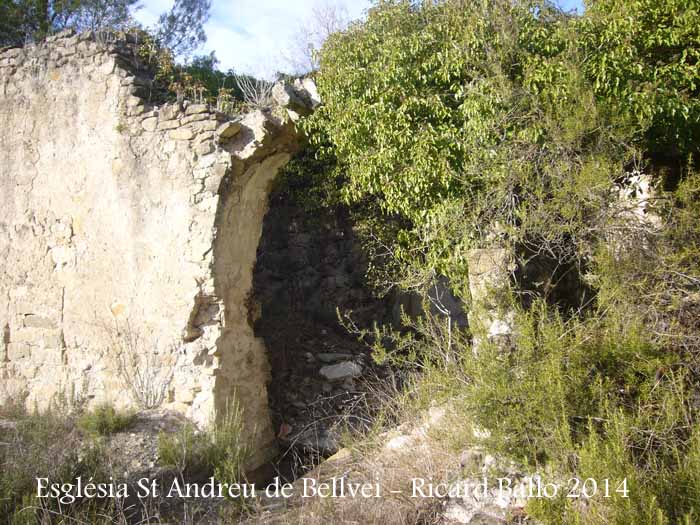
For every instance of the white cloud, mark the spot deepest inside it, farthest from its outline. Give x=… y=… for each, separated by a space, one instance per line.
x=252 y=35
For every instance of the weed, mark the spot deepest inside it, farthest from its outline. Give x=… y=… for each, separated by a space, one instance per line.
x=220 y=451
x=105 y=420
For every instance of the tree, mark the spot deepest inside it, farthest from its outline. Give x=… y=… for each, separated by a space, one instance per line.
x=182 y=28
x=203 y=68
x=11 y=23
x=326 y=19
x=643 y=56
x=95 y=15
x=24 y=21
x=236 y=86
x=514 y=112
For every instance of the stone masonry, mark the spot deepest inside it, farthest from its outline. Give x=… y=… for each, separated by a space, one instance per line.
x=128 y=235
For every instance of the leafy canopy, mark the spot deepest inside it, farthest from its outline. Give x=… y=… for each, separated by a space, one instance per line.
x=26 y=20
x=513 y=118
x=181 y=29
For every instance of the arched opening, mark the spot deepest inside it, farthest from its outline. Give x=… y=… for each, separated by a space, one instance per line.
x=308 y=266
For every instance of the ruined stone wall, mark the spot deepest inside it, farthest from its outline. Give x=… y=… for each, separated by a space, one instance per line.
x=128 y=235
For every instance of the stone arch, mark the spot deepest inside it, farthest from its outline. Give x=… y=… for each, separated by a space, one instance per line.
x=244 y=369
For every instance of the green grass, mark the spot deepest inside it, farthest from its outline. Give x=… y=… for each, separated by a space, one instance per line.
x=218 y=451
x=42 y=445
x=105 y=420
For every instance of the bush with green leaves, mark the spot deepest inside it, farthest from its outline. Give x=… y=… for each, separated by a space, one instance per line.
x=455 y=125
x=219 y=451
x=104 y=420
x=510 y=117
x=30 y=450
x=642 y=58
x=598 y=396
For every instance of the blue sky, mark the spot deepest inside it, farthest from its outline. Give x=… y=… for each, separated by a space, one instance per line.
x=253 y=36
x=570 y=5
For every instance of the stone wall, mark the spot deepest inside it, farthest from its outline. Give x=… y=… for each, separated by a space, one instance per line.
x=128 y=234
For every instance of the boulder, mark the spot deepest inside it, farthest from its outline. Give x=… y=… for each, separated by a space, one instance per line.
x=341 y=371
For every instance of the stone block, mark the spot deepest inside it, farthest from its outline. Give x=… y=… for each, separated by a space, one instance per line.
x=194 y=118
x=196 y=108
x=341 y=371
x=184 y=395
x=207 y=125
x=139 y=240
x=168 y=124
x=38 y=321
x=204 y=148
x=133 y=101
x=38 y=337
x=182 y=134
x=228 y=129
x=169 y=112
x=17 y=351
x=206 y=161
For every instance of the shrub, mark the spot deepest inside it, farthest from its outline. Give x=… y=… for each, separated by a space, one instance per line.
x=591 y=396
x=105 y=420
x=455 y=125
x=144 y=372
x=511 y=117
x=642 y=57
x=31 y=450
x=609 y=391
x=647 y=450
x=229 y=453
x=220 y=451
x=182 y=450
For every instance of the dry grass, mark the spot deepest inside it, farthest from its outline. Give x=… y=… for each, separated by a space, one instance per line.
x=372 y=460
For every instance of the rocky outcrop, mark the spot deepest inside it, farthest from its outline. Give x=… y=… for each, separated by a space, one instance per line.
x=128 y=235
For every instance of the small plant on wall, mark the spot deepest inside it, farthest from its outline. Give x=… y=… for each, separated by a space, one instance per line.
x=146 y=373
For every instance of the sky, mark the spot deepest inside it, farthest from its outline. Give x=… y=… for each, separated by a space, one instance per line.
x=252 y=36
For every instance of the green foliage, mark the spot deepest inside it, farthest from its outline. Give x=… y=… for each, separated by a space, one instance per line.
x=597 y=396
x=181 y=29
x=229 y=452
x=397 y=101
x=609 y=393
x=311 y=180
x=453 y=117
x=642 y=56
x=33 y=449
x=198 y=80
x=13 y=22
x=217 y=84
x=539 y=398
x=511 y=117
x=219 y=451
x=221 y=89
x=647 y=444
x=22 y=21
x=105 y=420
x=470 y=124
x=657 y=274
